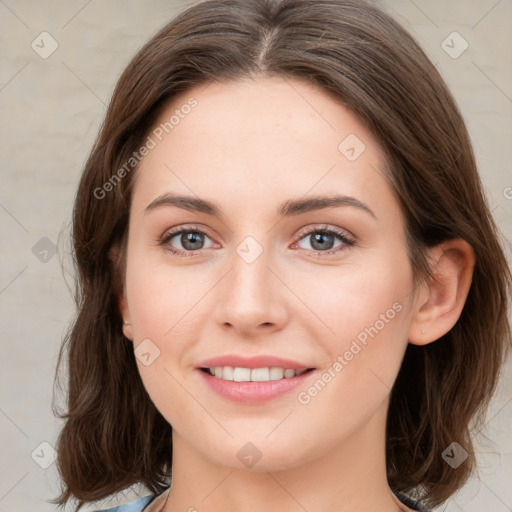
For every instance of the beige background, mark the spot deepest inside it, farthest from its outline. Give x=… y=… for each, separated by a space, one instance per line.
x=50 y=112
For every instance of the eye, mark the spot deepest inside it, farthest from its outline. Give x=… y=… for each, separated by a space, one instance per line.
x=191 y=240
x=323 y=240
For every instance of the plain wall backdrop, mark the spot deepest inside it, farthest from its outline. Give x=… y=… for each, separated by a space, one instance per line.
x=59 y=64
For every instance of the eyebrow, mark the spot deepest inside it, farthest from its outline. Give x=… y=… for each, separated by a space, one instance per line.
x=288 y=208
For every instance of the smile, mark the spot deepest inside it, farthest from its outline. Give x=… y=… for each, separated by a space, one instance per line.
x=239 y=374
x=236 y=383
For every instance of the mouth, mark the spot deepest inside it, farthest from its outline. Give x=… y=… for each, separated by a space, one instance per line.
x=265 y=374
x=254 y=386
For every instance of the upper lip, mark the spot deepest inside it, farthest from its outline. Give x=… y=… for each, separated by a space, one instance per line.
x=262 y=361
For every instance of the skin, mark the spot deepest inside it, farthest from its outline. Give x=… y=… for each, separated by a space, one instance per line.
x=249 y=146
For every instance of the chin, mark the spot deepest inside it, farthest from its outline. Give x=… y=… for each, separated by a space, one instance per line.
x=259 y=456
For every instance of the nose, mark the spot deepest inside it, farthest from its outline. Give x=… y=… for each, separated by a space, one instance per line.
x=252 y=299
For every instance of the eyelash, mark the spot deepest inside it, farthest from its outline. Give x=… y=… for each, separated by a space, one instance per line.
x=329 y=230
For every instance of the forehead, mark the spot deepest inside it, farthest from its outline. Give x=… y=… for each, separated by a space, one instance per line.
x=262 y=113
x=258 y=138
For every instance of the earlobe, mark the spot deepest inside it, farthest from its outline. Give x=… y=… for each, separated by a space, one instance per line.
x=125 y=314
x=440 y=301
x=127 y=330
x=113 y=255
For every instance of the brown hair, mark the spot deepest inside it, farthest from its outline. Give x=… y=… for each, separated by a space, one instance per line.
x=113 y=435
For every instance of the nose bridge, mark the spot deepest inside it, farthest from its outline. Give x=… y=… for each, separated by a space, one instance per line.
x=251 y=294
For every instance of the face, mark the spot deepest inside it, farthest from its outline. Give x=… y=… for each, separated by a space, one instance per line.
x=261 y=270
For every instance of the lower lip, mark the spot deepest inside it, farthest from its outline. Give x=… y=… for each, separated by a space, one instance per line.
x=253 y=392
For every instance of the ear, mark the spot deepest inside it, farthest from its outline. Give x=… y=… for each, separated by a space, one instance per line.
x=440 y=300
x=113 y=255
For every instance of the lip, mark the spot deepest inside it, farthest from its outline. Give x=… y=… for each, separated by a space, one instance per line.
x=253 y=392
x=262 y=361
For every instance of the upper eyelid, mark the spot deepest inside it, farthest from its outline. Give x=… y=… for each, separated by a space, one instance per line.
x=179 y=229
x=325 y=227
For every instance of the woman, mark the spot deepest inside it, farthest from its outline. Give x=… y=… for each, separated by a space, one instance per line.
x=291 y=292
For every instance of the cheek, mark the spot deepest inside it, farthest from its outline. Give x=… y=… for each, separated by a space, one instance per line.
x=159 y=295
x=362 y=311
x=353 y=296
x=168 y=310
x=161 y=301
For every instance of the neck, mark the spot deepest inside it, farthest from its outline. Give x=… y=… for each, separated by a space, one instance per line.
x=349 y=477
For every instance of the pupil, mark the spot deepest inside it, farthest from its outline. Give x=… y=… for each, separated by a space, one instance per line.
x=188 y=240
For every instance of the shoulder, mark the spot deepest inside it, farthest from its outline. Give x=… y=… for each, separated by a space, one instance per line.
x=137 y=505
x=133 y=506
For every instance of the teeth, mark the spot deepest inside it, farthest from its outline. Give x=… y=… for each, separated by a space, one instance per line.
x=260 y=374
x=227 y=373
x=276 y=373
x=239 y=374
x=253 y=375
